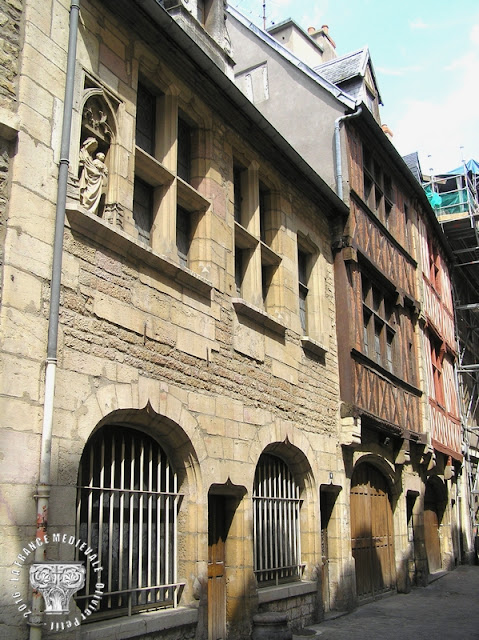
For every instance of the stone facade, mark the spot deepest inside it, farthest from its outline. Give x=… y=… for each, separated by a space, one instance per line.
x=10 y=23
x=218 y=367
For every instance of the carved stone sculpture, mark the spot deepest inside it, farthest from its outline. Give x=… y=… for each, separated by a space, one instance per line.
x=94 y=175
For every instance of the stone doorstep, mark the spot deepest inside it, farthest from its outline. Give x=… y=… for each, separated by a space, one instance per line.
x=432 y=577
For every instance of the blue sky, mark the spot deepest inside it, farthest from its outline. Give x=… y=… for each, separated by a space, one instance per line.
x=426 y=58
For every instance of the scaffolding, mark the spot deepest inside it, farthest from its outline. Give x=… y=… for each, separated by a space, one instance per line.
x=454 y=198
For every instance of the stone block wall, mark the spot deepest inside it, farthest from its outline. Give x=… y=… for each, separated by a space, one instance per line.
x=10 y=25
x=143 y=340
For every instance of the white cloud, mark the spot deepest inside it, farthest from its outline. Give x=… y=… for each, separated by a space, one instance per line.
x=438 y=127
x=438 y=130
x=474 y=35
x=399 y=71
x=418 y=23
x=465 y=62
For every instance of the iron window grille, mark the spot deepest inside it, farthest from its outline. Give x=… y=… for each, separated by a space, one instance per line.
x=277 y=541
x=127 y=512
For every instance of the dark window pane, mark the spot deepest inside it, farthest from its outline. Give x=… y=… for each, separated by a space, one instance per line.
x=184 y=150
x=238 y=270
x=237 y=193
x=143 y=208
x=303 y=287
x=145 y=119
x=183 y=231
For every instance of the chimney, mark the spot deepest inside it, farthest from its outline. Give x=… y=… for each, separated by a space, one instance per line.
x=324 y=41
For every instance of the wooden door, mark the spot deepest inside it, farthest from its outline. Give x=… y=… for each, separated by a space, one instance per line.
x=326 y=505
x=372 y=538
x=431 y=530
x=216 y=568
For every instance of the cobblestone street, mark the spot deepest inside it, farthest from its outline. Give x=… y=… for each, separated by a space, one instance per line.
x=448 y=608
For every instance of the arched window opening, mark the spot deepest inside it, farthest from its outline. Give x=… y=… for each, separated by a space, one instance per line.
x=277 y=540
x=127 y=511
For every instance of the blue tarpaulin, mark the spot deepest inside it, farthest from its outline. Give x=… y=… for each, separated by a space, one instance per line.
x=472 y=167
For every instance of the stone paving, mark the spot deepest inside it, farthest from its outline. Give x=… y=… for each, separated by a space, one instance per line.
x=447 y=608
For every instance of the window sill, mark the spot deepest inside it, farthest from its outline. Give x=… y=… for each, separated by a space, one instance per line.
x=117 y=240
x=189 y=198
x=262 y=318
x=313 y=346
x=140 y=624
x=150 y=170
x=9 y=124
x=285 y=591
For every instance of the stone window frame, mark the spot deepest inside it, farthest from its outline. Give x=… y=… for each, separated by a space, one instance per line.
x=115 y=228
x=257 y=245
x=313 y=334
x=170 y=191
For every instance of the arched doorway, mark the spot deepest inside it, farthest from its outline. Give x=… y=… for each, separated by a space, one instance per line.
x=433 y=510
x=372 y=538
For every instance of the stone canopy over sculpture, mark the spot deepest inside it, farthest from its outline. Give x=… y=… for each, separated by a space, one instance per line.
x=94 y=175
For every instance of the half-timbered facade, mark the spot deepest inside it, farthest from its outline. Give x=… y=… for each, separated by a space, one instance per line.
x=397 y=355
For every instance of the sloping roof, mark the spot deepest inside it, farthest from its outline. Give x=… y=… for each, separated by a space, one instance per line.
x=337 y=92
x=346 y=67
x=412 y=161
x=351 y=65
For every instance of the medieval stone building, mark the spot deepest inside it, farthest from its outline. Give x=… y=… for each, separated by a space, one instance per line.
x=215 y=350
x=184 y=429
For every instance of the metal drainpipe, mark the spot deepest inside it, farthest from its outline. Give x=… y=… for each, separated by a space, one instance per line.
x=43 y=488
x=337 y=145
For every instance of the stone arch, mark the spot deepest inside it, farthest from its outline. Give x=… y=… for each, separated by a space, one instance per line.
x=160 y=412
x=168 y=433
x=177 y=431
x=383 y=465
